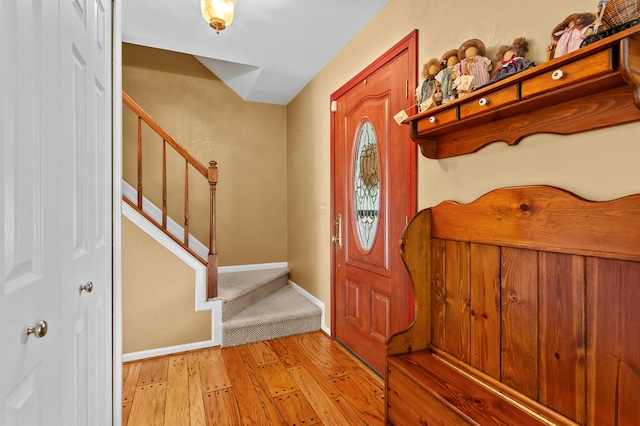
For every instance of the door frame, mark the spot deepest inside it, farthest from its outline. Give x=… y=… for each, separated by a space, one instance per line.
x=409 y=43
x=116 y=170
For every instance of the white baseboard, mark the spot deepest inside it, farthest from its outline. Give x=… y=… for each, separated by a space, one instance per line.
x=216 y=337
x=319 y=303
x=252 y=267
x=134 y=356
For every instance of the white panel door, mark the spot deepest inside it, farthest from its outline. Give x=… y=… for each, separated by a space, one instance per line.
x=29 y=215
x=55 y=212
x=85 y=109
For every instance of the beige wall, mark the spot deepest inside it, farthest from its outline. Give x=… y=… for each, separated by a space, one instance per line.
x=247 y=139
x=596 y=165
x=158 y=296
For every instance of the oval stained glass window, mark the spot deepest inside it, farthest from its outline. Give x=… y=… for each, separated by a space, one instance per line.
x=366 y=185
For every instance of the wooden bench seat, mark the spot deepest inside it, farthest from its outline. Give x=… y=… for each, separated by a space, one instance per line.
x=526 y=312
x=425 y=390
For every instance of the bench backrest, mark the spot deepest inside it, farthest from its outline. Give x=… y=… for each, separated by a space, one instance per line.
x=540 y=290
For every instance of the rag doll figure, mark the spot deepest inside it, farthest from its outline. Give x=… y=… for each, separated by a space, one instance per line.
x=430 y=87
x=472 y=63
x=511 y=59
x=444 y=77
x=568 y=35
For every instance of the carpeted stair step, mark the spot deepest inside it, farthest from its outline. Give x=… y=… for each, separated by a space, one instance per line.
x=240 y=290
x=282 y=313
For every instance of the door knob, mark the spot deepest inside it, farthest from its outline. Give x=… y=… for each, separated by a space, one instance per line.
x=88 y=287
x=39 y=330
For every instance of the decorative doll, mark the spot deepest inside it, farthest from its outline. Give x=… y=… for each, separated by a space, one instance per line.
x=444 y=77
x=569 y=34
x=511 y=59
x=430 y=88
x=472 y=63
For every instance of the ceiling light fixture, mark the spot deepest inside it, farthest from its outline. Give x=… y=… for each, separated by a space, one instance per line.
x=218 y=13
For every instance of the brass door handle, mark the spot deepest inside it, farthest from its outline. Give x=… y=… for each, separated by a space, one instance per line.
x=337 y=239
x=88 y=287
x=39 y=330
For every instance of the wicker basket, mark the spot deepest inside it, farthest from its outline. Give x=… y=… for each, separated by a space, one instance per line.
x=618 y=12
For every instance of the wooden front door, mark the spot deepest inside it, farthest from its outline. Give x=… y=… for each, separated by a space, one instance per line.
x=373 y=195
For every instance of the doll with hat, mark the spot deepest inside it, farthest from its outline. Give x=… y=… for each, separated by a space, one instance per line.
x=472 y=63
x=430 y=87
x=512 y=59
x=568 y=35
x=444 y=77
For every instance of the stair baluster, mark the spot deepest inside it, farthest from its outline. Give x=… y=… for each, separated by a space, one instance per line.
x=211 y=174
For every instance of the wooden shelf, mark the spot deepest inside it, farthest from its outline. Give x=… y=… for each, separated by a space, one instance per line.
x=594 y=87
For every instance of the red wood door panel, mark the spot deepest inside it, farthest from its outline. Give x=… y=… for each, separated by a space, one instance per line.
x=373 y=195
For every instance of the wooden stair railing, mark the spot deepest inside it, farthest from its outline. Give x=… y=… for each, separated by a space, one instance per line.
x=210 y=173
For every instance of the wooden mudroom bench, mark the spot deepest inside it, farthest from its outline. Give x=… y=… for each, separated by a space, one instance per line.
x=527 y=312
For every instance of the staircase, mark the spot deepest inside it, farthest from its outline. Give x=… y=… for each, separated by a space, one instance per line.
x=255 y=305
x=262 y=305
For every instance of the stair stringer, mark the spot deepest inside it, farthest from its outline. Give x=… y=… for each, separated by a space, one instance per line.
x=172 y=226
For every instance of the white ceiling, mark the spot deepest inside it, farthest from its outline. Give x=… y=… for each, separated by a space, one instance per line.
x=270 y=52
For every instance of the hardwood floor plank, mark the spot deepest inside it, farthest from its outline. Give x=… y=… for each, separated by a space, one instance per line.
x=366 y=404
x=324 y=406
x=320 y=356
x=352 y=416
x=126 y=410
x=250 y=407
x=283 y=350
x=296 y=410
x=125 y=369
x=259 y=386
x=341 y=354
x=196 y=399
x=262 y=353
x=130 y=376
x=277 y=379
x=302 y=380
x=221 y=409
x=370 y=381
x=311 y=367
x=177 y=407
x=213 y=372
x=148 y=405
x=153 y=370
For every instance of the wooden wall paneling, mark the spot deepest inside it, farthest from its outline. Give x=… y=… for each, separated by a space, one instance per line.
x=437 y=293
x=613 y=352
x=485 y=308
x=519 y=315
x=457 y=321
x=562 y=334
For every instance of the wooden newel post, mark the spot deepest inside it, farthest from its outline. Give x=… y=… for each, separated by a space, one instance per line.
x=212 y=260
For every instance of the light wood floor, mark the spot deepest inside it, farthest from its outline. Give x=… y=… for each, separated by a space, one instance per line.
x=298 y=380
